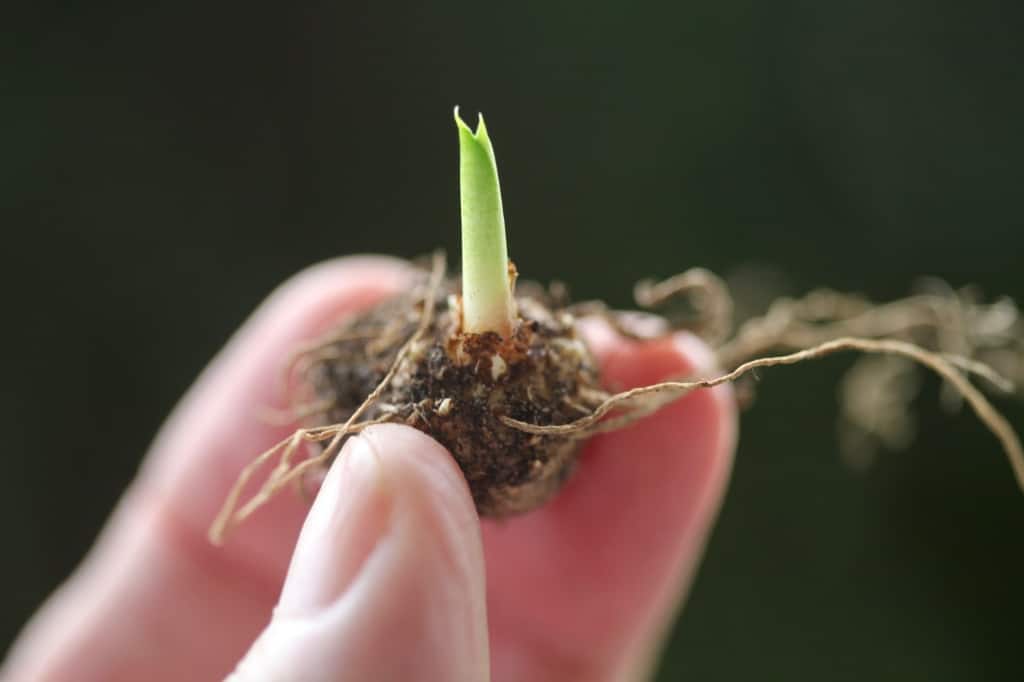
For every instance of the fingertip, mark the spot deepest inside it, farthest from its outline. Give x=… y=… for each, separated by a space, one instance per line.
x=421 y=469
x=348 y=278
x=387 y=581
x=695 y=352
x=435 y=515
x=705 y=419
x=390 y=481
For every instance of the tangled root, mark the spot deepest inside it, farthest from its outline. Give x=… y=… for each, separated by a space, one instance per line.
x=285 y=472
x=949 y=332
x=642 y=401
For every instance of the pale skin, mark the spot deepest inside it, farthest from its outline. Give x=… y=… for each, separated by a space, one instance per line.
x=393 y=576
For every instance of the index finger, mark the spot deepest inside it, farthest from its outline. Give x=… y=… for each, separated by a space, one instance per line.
x=154 y=600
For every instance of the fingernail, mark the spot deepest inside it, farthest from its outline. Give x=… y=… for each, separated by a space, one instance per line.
x=351 y=514
x=696 y=351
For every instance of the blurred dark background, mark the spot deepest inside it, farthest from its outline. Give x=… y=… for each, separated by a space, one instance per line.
x=164 y=167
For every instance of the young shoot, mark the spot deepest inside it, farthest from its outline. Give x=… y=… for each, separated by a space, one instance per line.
x=487 y=303
x=514 y=411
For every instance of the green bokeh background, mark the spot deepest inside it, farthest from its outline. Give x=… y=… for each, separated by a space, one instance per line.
x=163 y=167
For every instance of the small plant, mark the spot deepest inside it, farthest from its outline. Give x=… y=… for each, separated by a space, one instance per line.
x=487 y=282
x=503 y=380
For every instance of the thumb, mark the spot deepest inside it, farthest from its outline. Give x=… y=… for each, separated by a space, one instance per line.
x=387 y=578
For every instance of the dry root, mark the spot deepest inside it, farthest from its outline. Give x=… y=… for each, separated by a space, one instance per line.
x=286 y=472
x=949 y=332
x=647 y=399
x=876 y=394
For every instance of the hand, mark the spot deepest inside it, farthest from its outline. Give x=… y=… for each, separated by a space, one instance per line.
x=393 y=576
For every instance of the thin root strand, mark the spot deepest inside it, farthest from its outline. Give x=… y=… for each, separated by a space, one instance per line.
x=647 y=399
x=285 y=473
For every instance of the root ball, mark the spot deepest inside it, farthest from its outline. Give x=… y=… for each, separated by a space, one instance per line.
x=456 y=386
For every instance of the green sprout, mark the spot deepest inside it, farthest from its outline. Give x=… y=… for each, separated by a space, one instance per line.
x=487 y=303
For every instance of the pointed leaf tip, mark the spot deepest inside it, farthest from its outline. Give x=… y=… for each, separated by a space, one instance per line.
x=458 y=119
x=480 y=133
x=486 y=291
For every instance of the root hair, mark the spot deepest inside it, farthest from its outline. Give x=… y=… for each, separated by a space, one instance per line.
x=642 y=401
x=285 y=472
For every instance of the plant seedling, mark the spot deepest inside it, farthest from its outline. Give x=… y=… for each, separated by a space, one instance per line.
x=503 y=380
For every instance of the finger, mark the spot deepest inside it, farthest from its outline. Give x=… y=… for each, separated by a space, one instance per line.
x=582 y=589
x=154 y=600
x=387 y=580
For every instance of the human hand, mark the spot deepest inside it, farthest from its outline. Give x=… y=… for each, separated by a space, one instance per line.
x=393 y=576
